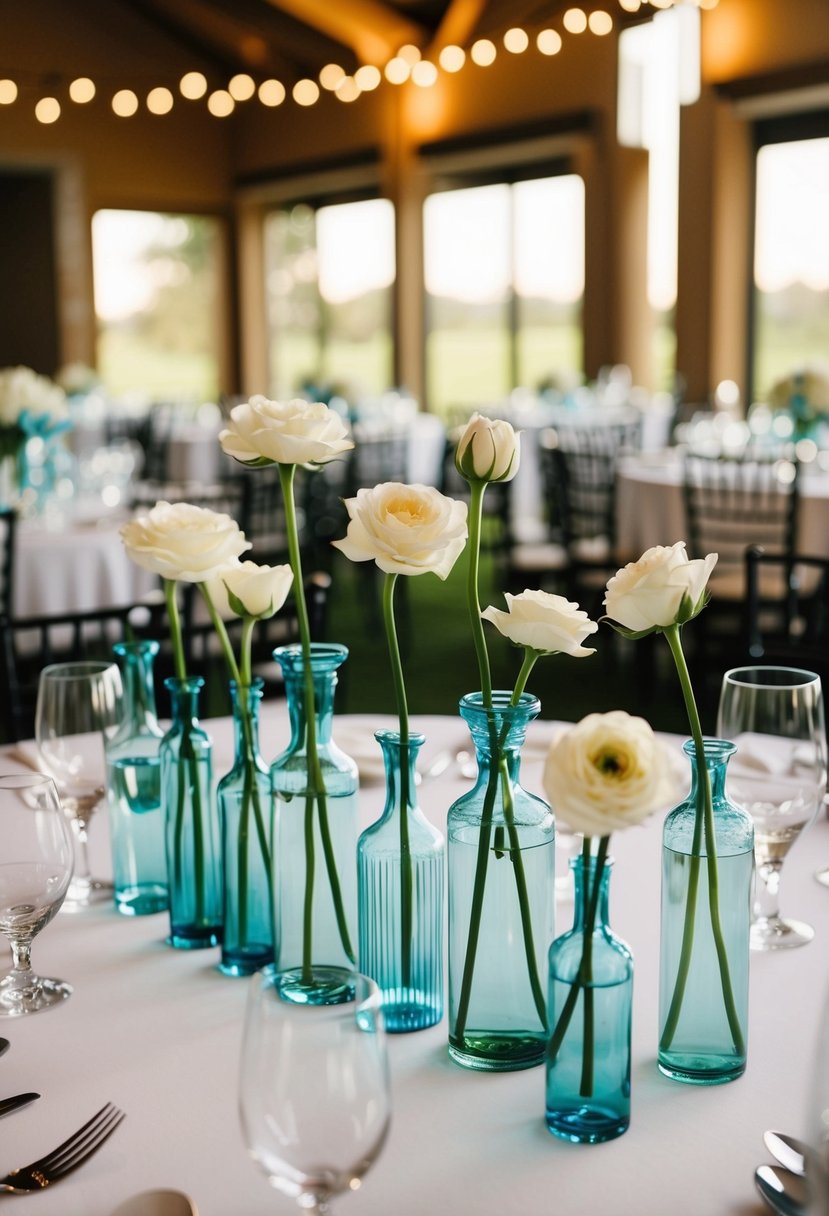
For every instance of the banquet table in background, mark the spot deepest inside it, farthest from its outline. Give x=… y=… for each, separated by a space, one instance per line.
x=158 y=1032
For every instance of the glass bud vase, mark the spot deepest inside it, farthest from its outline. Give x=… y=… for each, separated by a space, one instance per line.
x=191 y=819
x=400 y=885
x=589 y=1000
x=501 y=853
x=315 y=836
x=139 y=860
x=245 y=814
x=706 y=917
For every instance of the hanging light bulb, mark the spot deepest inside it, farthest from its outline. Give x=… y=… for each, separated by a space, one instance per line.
x=271 y=93
x=47 y=110
x=159 y=101
x=193 y=85
x=347 y=89
x=575 y=21
x=397 y=70
x=600 y=22
x=220 y=103
x=452 y=58
x=241 y=87
x=483 y=52
x=549 y=42
x=82 y=90
x=331 y=75
x=516 y=41
x=125 y=103
x=424 y=74
x=305 y=92
x=367 y=77
x=8 y=92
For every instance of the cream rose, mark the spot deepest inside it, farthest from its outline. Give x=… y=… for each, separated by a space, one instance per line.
x=546 y=623
x=607 y=772
x=488 y=450
x=284 y=432
x=405 y=529
x=183 y=542
x=663 y=588
x=248 y=589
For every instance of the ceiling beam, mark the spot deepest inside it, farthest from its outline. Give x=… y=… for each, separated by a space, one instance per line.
x=457 y=26
x=373 y=30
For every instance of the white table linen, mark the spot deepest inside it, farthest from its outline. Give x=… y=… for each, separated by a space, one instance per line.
x=158 y=1032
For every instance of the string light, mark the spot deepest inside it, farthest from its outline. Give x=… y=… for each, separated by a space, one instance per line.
x=47 y=110
x=8 y=92
x=241 y=87
x=82 y=90
x=483 y=52
x=159 y=101
x=305 y=92
x=600 y=23
x=367 y=77
x=452 y=58
x=331 y=76
x=220 y=103
x=193 y=85
x=424 y=74
x=397 y=70
x=125 y=103
x=549 y=42
x=575 y=21
x=271 y=93
x=516 y=41
x=409 y=54
x=347 y=89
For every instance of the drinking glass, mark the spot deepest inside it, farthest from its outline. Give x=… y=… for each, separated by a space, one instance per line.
x=774 y=715
x=35 y=870
x=314 y=1094
x=78 y=705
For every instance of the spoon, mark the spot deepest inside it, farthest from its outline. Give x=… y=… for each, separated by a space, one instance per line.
x=784 y=1191
x=157 y=1203
x=792 y=1153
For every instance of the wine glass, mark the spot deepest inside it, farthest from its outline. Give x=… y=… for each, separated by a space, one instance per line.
x=35 y=870
x=774 y=715
x=314 y=1096
x=78 y=704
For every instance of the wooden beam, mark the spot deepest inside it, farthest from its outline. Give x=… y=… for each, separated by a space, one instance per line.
x=374 y=31
x=457 y=26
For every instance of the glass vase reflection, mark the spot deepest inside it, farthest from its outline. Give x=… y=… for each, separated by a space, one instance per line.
x=589 y=1000
x=400 y=882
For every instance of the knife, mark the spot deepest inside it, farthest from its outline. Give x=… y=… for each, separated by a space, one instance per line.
x=7 y=1105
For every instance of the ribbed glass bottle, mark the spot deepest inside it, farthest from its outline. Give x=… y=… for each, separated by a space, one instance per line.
x=315 y=836
x=245 y=813
x=706 y=917
x=400 y=885
x=501 y=854
x=191 y=817
x=136 y=822
x=589 y=1001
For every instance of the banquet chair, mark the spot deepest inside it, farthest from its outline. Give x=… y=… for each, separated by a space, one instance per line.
x=228 y=497
x=8 y=532
x=793 y=630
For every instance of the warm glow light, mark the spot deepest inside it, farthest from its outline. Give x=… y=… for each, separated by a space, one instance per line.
x=409 y=54
x=397 y=70
x=241 y=87
x=575 y=21
x=8 y=92
x=708 y=3
x=347 y=89
x=82 y=90
x=516 y=40
x=220 y=103
x=305 y=92
x=483 y=52
x=600 y=22
x=549 y=42
x=367 y=77
x=331 y=75
x=424 y=74
x=452 y=58
x=630 y=6
x=193 y=85
x=159 y=101
x=125 y=103
x=662 y=3
x=47 y=110
x=271 y=93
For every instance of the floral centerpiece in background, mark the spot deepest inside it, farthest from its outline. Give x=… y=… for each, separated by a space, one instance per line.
x=804 y=396
x=31 y=407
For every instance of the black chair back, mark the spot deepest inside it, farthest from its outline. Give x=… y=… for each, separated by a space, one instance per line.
x=792 y=631
x=8 y=528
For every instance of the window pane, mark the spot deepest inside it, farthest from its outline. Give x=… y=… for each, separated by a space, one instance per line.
x=468 y=270
x=292 y=300
x=156 y=300
x=791 y=260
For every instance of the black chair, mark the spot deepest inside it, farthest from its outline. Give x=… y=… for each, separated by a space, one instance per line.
x=230 y=497
x=377 y=456
x=792 y=631
x=8 y=532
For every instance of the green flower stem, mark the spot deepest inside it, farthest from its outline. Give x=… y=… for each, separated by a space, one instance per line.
x=308 y=901
x=586 y=1086
x=221 y=633
x=174 y=621
x=245 y=670
x=476 y=502
x=316 y=785
x=704 y=821
x=403 y=716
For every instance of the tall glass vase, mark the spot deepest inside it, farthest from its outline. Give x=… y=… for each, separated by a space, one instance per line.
x=590 y=1002
x=400 y=884
x=245 y=814
x=315 y=835
x=139 y=860
x=189 y=801
x=501 y=852
x=706 y=917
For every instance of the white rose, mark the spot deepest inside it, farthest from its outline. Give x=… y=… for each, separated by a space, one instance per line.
x=607 y=772
x=405 y=529
x=488 y=450
x=547 y=623
x=248 y=589
x=183 y=542
x=284 y=432
x=24 y=391
x=663 y=588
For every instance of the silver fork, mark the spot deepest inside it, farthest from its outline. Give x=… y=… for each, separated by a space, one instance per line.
x=66 y=1157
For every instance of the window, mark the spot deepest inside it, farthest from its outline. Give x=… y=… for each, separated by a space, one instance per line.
x=791 y=260
x=504 y=269
x=329 y=280
x=157 y=303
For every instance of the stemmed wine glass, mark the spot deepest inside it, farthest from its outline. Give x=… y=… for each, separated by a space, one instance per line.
x=774 y=715
x=314 y=1096
x=35 y=870
x=78 y=704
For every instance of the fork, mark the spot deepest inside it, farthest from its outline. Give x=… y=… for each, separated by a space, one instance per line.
x=66 y=1157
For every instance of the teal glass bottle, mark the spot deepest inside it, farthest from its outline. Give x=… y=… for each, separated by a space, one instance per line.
x=136 y=822
x=314 y=785
x=590 y=1002
x=501 y=868
x=245 y=813
x=191 y=823
x=706 y=917
x=400 y=884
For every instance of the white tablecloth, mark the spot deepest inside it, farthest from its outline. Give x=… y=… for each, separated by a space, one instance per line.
x=158 y=1032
